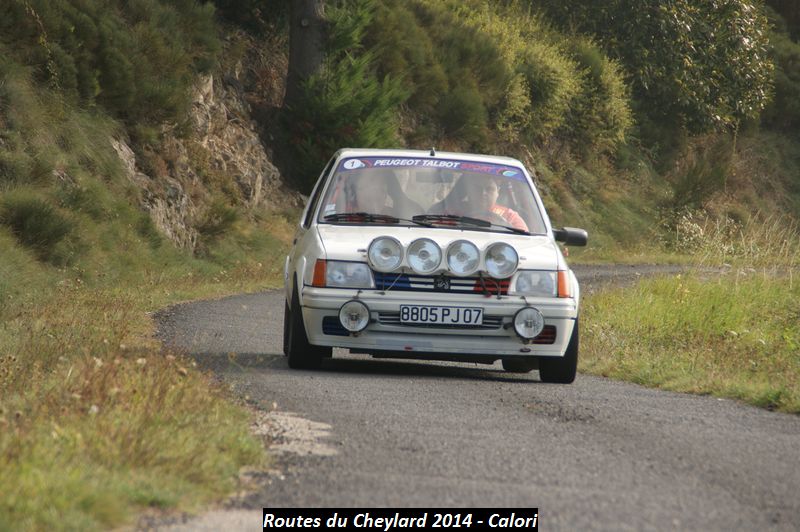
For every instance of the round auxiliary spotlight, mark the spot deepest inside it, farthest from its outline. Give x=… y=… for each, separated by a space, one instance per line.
x=463 y=257
x=385 y=254
x=501 y=260
x=354 y=316
x=528 y=322
x=424 y=255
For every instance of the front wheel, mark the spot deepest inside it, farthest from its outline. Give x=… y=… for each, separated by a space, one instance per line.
x=562 y=370
x=301 y=354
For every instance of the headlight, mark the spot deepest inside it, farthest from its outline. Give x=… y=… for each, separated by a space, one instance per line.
x=354 y=316
x=463 y=257
x=534 y=283
x=501 y=260
x=424 y=255
x=348 y=275
x=385 y=254
x=528 y=322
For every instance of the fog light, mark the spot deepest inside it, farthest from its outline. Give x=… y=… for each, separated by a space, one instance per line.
x=528 y=322
x=354 y=316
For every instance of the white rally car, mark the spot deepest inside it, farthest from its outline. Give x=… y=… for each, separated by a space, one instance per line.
x=438 y=256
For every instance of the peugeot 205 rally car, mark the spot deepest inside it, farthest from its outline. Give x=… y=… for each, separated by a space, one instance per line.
x=438 y=256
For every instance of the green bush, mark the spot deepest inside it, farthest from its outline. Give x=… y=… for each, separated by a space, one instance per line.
x=600 y=116
x=464 y=116
x=701 y=173
x=89 y=197
x=15 y=166
x=347 y=104
x=405 y=50
x=553 y=84
x=147 y=229
x=138 y=59
x=217 y=220
x=489 y=74
x=34 y=222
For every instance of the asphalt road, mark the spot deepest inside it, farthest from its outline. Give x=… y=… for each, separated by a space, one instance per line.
x=597 y=454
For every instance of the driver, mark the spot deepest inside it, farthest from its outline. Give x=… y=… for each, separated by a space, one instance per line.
x=372 y=194
x=378 y=192
x=476 y=195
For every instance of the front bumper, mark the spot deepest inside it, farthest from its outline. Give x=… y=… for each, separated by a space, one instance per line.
x=385 y=333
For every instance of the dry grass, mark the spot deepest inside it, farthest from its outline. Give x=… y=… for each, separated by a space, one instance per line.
x=772 y=241
x=734 y=335
x=96 y=422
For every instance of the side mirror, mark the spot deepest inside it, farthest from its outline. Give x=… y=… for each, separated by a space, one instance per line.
x=571 y=236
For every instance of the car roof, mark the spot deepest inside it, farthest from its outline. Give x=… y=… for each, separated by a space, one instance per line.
x=370 y=152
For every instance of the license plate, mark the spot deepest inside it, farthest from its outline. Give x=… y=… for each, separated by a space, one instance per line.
x=441 y=315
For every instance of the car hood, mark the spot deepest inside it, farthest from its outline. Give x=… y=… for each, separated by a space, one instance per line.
x=343 y=242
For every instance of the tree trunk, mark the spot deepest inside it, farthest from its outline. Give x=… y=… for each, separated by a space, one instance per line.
x=306 y=42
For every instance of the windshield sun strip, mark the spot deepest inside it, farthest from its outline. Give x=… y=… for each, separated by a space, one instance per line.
x=528 y=180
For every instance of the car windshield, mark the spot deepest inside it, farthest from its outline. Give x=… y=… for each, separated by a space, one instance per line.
x=440 y=192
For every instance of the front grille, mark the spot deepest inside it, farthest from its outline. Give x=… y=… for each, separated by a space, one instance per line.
x=332 y=326
x=393 y=318
x=439 y=283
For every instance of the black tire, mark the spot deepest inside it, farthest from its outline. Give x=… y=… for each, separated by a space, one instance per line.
x=519 y=365
x=301 y=354
x=562 y=370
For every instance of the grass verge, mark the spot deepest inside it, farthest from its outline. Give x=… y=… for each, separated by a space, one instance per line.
x=96 y=423
x=734 y=335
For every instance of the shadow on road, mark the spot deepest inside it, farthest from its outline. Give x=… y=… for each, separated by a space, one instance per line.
x=356 y=365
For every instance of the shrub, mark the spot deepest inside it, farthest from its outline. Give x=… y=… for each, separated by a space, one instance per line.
x=405 y=50
x=89 y=197
x=138 y=59
x=600 y=116
x=702 y=173
x=147 y=229
x=15 y=166
x=347 y=104
x=218 y=219
x=34 y=222
x=464 y=116
x=552 y=83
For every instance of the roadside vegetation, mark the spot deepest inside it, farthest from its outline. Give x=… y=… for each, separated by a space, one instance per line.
x=97 y=424
x=729 y=326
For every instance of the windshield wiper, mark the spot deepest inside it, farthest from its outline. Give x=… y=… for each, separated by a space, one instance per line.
x=468 y=220
x=511 y=228
x=451 y=217
x=370 y=217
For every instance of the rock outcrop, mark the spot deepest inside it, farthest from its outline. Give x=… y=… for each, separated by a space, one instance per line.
x=222 y=150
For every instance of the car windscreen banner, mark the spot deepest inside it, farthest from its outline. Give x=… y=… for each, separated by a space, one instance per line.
x=352 y=164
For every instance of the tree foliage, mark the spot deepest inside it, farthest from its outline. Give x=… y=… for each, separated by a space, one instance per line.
x=485 y=75
x=703 y=64
x=348 y=104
